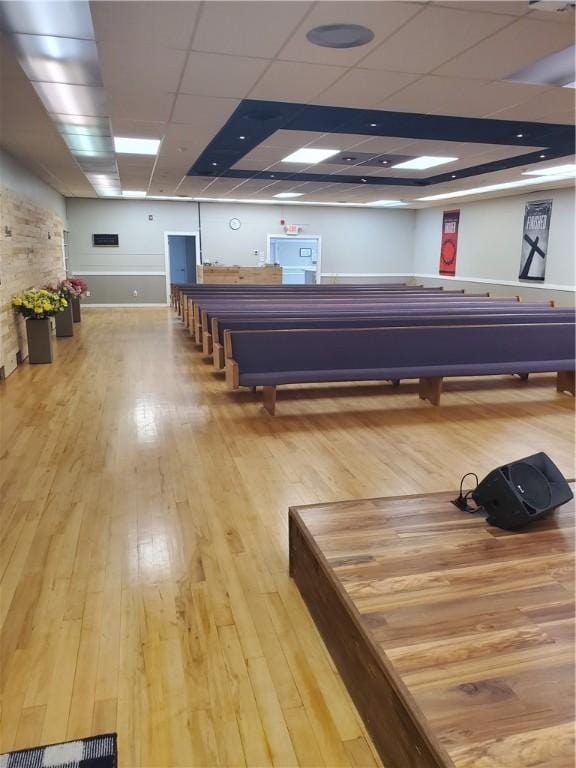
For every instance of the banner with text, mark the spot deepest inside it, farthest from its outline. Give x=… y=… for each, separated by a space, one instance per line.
x=535 y=240
x=449 y=242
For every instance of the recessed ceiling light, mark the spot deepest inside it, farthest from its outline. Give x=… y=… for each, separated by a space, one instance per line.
x=126 y=146
x=133 y=193
x=453 y=175
x=387 y=203
x=310 y=156
x=555 y=170
x=363 y=181
x=348 y=158
x=286 y=195
x=373 y=125
x=384 y=162
x=519 y=135
x=242 y=137
x=495 y=187
x=542 y=157
x=421 y=163
x=340 y=35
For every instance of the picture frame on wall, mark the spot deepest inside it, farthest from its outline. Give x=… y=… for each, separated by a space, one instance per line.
x=306 y=253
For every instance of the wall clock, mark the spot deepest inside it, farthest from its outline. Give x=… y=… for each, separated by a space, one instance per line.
x=234 y=223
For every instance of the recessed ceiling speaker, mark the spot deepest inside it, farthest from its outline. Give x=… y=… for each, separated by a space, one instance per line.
x=514 y=495
x=340 y=36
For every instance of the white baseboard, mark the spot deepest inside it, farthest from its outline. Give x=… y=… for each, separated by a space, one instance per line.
x=482 y=280
x=485 y=281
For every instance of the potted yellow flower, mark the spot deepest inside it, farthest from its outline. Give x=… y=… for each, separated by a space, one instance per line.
x=38 y=305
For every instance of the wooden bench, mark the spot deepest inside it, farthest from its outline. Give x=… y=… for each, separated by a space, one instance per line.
x=202 y=310
x=430 y=354
x=504 y=316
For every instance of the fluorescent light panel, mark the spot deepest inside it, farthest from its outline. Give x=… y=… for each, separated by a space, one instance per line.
x=568 y=170
x=286 y=195
x=494 y=187
x=310 y=156
x=127 y=146
x=422 y=163
x=387 y=203
x=133 y=193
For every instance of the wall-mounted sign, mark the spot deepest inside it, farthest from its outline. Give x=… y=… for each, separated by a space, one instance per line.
x=105 y=241
x=537 y=217
x=306 y=253
x=449 y=246
x=292 y=229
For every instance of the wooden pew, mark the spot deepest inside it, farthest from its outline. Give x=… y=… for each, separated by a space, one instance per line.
x=544 y=314
x=430 y=354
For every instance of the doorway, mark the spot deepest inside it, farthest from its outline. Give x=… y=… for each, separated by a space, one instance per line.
x=181 y=255
x=299 y=257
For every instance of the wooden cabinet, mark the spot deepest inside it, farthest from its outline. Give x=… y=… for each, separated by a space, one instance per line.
x=234 y=275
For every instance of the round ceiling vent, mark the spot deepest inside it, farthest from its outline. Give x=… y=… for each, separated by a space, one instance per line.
x=340 y=35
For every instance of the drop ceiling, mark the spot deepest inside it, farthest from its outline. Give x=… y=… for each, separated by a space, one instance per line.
x=178 y=71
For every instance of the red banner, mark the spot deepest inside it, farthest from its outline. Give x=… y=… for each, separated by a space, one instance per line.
x=449 y=245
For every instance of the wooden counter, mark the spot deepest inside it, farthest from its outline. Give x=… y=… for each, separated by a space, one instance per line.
x=212 y=274
x=454 y=639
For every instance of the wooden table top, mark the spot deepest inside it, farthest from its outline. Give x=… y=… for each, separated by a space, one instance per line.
x=477 y=622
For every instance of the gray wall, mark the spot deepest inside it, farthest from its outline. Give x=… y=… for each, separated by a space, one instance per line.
x=489 y=246
x=20 y=180
x=358 y=245
x=353 y=240
x=113 y=274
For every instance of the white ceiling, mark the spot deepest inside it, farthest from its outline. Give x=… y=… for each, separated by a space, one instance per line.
x=177 y=70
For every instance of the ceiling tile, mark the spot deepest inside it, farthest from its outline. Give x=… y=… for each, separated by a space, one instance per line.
x=247 y=28
x=507 y=7
x=433 y=37
x=203 y=113
x=517 y=45
x=291 y=81
x=364 y=88
x=382 y=18
x=211 y=74
x=459 y=96
x=154 y=23
x=139 y=103
x=138 y=129
x=149 y=66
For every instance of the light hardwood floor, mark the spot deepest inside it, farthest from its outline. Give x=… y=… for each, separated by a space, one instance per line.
x=144 y=539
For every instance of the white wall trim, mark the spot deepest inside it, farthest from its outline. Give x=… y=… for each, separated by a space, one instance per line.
x=367 y=274
x=486 y=281
x=122 y=306
x=119 y=274
x=482 y=280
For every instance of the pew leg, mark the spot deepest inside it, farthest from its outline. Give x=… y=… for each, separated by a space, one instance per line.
x=207 y=344
x=232 y=374
x=566 y=382
x=218 y=353
x=522 y=376
x=395 y=382
x=269 y=399
x=430 y=388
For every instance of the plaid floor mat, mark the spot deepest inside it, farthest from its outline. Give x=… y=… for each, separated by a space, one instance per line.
x=95 y=752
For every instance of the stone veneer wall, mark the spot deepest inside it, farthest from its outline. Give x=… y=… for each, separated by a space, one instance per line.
x=31 y=255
